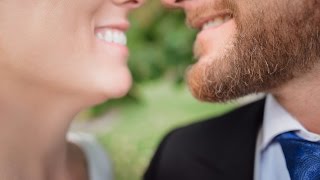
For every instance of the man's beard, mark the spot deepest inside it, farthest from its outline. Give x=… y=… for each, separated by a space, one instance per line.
x=273 y=45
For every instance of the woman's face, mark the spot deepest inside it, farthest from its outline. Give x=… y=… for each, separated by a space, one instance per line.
x=69 y=46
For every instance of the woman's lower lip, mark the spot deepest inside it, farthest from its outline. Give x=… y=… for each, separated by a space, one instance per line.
x=114 y=48
x=113 y=43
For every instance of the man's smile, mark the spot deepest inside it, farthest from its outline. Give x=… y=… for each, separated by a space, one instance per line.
x=210 y=21
x=216 y=22
x=215 y=33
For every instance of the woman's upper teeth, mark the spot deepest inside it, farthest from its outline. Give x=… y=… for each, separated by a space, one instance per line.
x=216 y=22
x=112 y=36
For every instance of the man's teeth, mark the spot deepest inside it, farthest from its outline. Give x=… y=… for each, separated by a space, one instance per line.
x=216 y=22
x=112 y=36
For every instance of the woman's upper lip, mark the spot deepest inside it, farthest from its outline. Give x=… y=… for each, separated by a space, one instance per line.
x=123 y=26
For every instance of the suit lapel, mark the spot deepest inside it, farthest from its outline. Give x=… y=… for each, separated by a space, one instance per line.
x=237 y=159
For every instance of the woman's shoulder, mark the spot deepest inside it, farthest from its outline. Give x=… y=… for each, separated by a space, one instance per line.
x=99 y=164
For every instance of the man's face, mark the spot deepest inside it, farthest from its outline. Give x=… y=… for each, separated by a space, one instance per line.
x=248 y=46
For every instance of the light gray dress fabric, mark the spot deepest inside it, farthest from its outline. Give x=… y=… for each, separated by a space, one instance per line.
x=99 y=164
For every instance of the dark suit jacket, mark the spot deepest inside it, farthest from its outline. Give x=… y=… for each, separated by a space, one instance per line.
x=220 y=148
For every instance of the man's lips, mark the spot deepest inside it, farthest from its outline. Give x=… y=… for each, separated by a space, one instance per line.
x=199 y=21
x=215 y=38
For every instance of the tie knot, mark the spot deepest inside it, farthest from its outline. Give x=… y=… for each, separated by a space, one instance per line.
x=288 y=136
x=302 y=156
x=291 y=137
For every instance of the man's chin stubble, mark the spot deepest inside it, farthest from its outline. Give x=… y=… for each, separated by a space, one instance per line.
x=265 y=56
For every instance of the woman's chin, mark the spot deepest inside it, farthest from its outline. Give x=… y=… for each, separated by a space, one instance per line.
x=119 y=90
x=113 y=88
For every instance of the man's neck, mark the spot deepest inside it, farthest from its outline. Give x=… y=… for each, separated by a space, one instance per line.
x=301 y=98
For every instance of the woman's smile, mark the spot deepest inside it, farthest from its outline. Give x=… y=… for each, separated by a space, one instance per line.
x=113 y=40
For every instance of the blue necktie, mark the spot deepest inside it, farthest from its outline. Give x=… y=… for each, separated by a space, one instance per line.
x=302 y=156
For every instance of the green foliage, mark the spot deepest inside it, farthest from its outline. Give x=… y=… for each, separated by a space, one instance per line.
x=160 y=45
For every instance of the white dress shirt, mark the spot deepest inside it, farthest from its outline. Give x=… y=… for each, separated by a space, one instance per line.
x=269 y=159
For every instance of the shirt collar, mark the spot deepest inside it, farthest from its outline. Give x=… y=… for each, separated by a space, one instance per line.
x=277 y=120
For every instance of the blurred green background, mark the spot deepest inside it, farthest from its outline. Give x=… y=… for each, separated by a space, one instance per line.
x=131 y=128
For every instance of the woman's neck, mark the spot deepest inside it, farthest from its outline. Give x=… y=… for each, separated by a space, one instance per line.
x=32 y=133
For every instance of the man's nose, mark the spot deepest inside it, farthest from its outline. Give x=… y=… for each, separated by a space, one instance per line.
x=173 y=3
